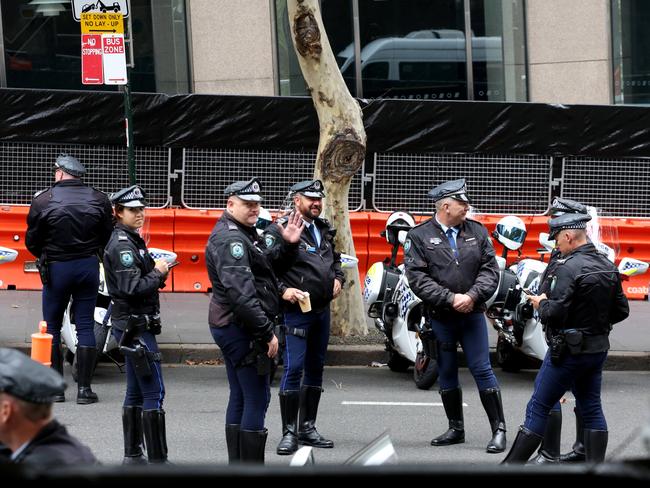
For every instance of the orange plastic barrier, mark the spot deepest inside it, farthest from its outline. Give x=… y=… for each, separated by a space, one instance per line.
x=13 y=225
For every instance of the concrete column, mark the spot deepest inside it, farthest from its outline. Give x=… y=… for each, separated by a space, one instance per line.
x=231 y=46
x=569 y=58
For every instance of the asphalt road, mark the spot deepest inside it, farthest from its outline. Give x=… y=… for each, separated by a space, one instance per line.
x=358 y=405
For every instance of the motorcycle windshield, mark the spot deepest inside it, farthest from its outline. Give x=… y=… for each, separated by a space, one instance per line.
x=603 y=233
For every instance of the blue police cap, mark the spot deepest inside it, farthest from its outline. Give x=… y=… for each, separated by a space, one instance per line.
x=28 y=380
x=246 y=190
x=309 y=188
x=567 y=221
x=456 y=189
x=69 y=164
x=564 y=205
x=133 y=196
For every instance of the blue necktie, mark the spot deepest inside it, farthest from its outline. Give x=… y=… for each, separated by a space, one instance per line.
x=452 y=242
x=312 y=231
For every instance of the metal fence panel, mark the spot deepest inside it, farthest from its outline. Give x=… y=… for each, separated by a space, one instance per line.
x=28 y=168
x=497 y=184
x=207 y=172
x=617 y=187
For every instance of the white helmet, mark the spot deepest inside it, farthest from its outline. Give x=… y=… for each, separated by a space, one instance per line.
x=398 y=222
x=511 y=232
x=264 y=219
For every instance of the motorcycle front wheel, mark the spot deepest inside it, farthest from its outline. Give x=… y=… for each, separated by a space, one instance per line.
x=425 y=371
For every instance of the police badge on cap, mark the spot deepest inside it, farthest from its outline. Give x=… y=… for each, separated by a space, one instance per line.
x=309 y=188
x=246 y=190
x=456 y=189
x=133 y=196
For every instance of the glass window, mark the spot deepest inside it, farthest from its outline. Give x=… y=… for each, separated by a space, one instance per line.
x=42 y=46
x=631 y=57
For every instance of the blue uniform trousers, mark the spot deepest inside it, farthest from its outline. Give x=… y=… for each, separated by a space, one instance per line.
x=581 y=373
x=147 y=392
x=305 y=353
x=79 y=279
x=250 y=393
x=471 y=331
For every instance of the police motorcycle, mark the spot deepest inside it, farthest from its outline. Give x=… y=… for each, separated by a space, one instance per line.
x=105 y=341
x=521 y=339
x=398 y=312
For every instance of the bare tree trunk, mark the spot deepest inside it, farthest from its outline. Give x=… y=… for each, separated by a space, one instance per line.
x=341 y=149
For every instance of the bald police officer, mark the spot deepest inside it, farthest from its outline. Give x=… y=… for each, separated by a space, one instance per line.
x=584 y=300
x=27 y=428
x=450 y=264
x=316 y=271
x=243 y=313
x=68 y=226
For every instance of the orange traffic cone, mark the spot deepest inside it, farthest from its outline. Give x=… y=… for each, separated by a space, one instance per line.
x=42 y=345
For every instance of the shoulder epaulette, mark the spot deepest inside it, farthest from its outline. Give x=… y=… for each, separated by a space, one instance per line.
x=40 y=192
x=121 y=236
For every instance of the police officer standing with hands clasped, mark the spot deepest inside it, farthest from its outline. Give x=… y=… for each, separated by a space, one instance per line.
x=133 y=280
x=244 y=311
x=68 y=226
x=585 y=299
x=450 y=264
x=315 y=274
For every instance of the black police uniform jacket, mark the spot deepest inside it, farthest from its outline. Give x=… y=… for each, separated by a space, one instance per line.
x=315 y=267
x=434 y=273
x=69 y=220
x=132 y=278
x=245 y=289
x=53 y=446
x=585 y=293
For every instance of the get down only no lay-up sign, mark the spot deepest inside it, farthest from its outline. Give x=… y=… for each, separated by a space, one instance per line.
x=109 y=29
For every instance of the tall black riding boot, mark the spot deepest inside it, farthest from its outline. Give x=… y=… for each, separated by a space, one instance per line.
x=132 y=427
x=524 y=446
x=252 y=444
x=308 y=435
x=577 y=453
x=549 y=451
x=595 y=445
x=155 y=435
x=491 y=400
x=232 y=442
x=452 y=400
x=86 y=359
x=57 y=365
x=289 y=403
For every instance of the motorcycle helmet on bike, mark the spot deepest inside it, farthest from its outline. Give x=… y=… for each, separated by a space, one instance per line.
x=264 y=219
x=397 y=223
x=511 y=232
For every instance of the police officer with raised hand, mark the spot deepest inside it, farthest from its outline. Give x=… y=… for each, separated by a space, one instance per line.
x=27 y=428
x=450 y=264
x=317 y=272
x=244 y=311
x=68 y=226
x=133 y=280
x=584 y=300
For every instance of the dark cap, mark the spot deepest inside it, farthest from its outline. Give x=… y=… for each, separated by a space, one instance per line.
x=309 y=188
x=70 y=165
x=456 y=189
x=567 y=221
x=564 y=205
x=24 y=378
x=133 y=196
x=246 y=190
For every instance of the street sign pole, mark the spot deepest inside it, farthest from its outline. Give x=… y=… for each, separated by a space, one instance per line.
x=128 y=118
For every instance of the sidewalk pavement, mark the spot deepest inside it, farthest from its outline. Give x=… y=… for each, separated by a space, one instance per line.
x=185 y=335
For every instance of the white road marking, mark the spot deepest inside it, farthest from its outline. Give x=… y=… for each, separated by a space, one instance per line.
x=398 y=404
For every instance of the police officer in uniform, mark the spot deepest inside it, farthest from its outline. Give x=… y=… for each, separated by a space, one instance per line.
x=68 y=226
x=585 y=299
x=244 y=311
x=450 y=264
x=28 y=430
x=317 y=271
x=133 y=280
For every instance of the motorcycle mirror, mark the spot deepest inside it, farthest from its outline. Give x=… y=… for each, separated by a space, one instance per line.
x=303 y=456
x=632 y=267
x=379 y=451
x=548 y=244
x=401 y=236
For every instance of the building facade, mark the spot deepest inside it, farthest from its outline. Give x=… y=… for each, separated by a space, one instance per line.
x=549 y=51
